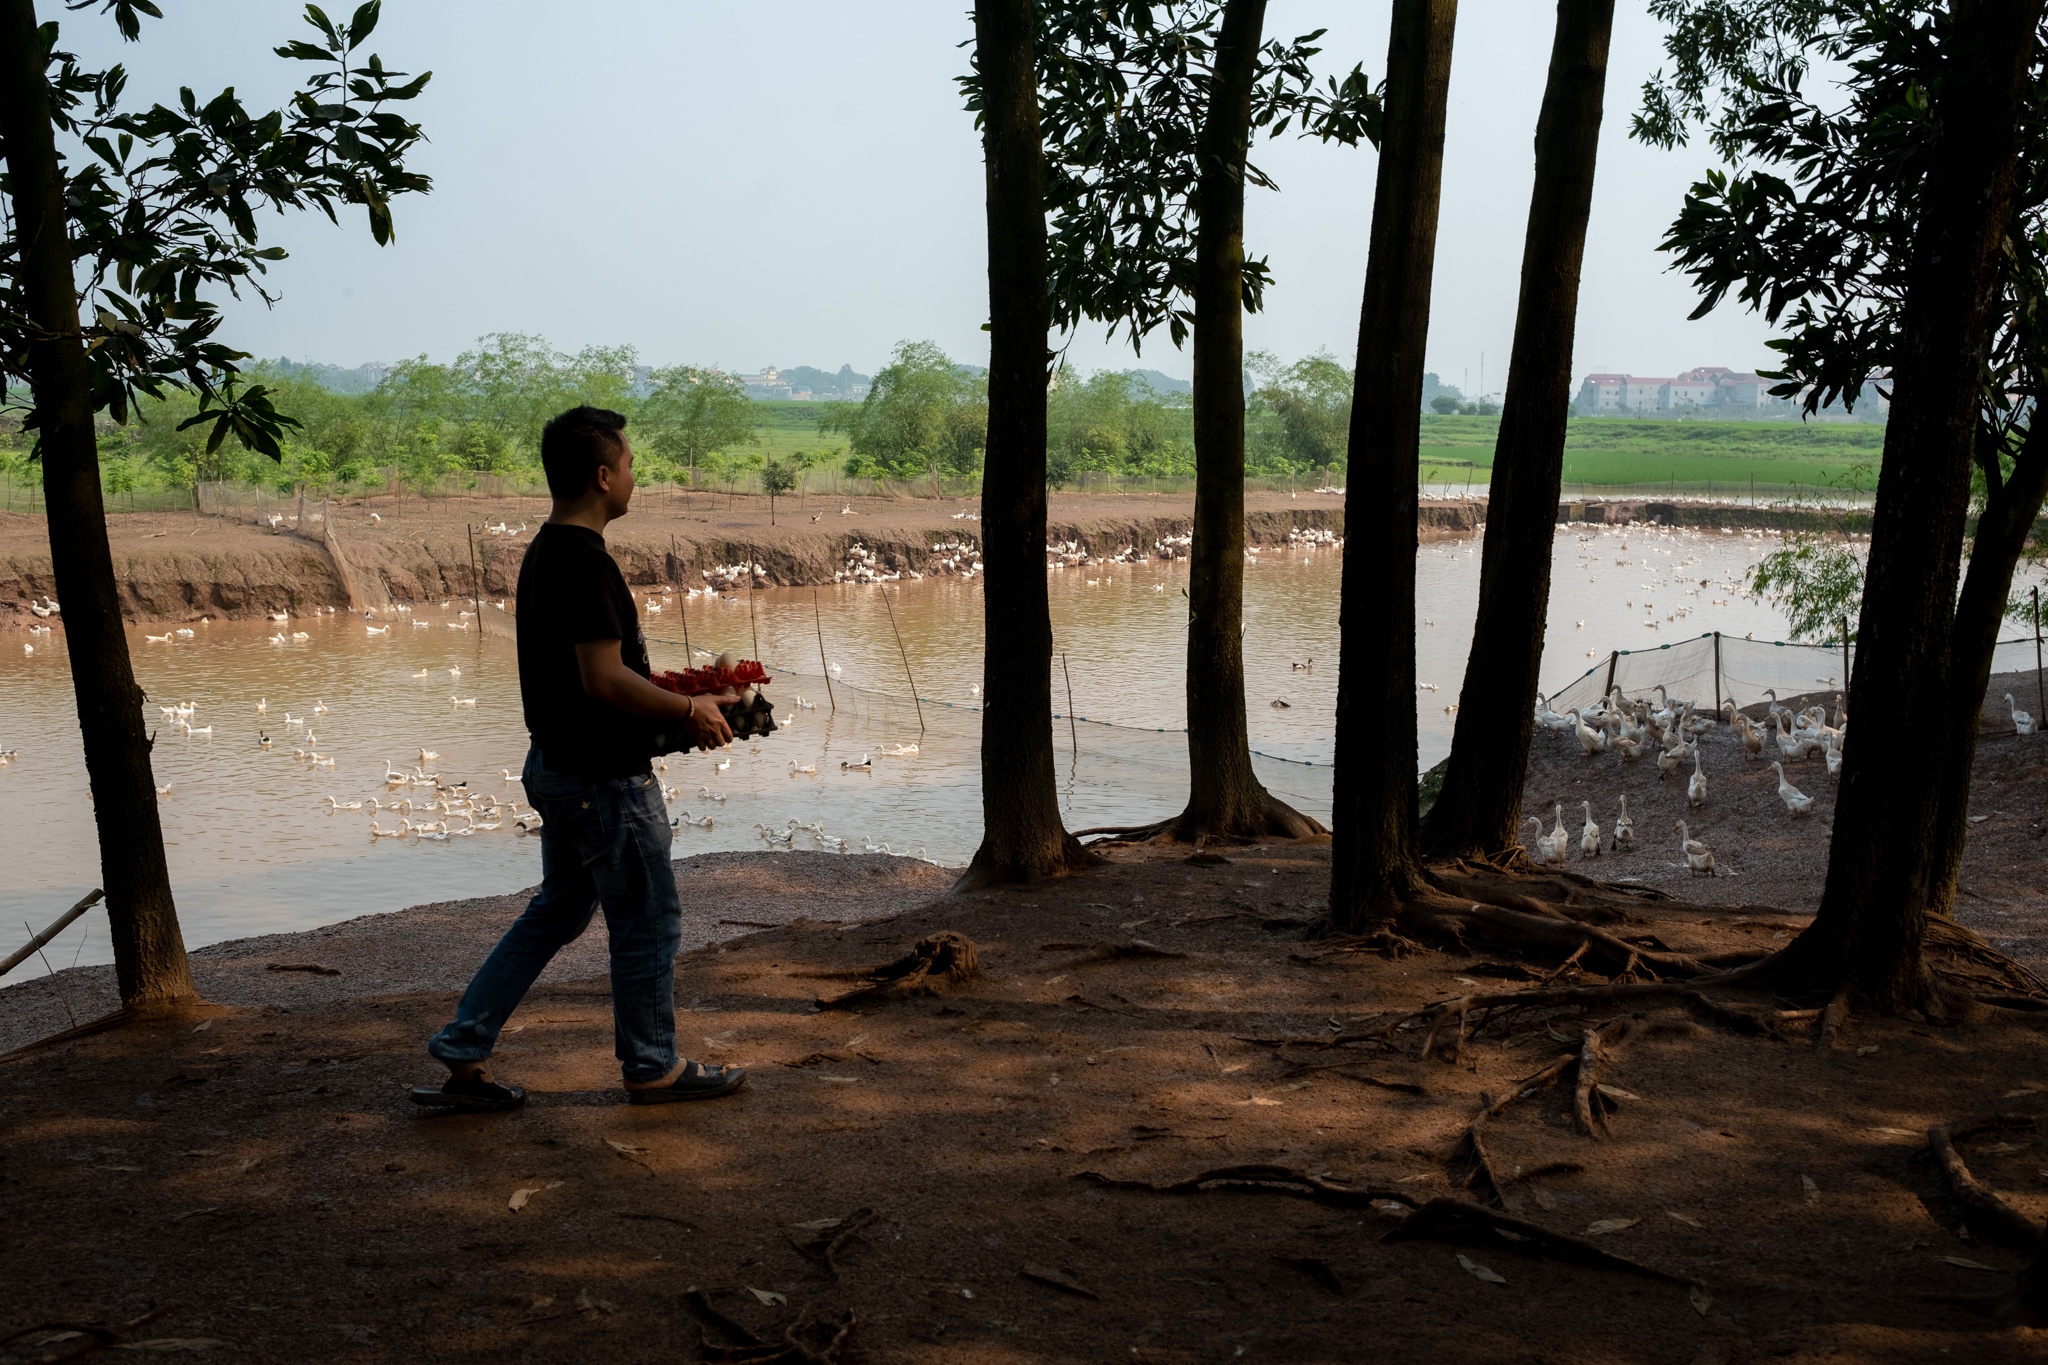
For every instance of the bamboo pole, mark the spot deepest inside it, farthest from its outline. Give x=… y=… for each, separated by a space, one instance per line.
x=906 y=661
x=1073 y=735
x=476 y=582
x=2040 y=692
x=36 y=942
x=824 y=665
x=751 y=619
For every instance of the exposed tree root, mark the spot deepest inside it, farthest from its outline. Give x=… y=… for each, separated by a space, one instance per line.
x=1274 y=819
x=1455 y=1220
x=1266 y=1179
x=1984 y=1213
x=945 y=955
x=984 y=873
x=1471 y=1164
x=83 y=1338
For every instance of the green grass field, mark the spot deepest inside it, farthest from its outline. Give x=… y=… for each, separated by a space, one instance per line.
x=1607 y=452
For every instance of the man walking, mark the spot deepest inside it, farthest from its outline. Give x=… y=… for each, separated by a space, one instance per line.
x=604 y=838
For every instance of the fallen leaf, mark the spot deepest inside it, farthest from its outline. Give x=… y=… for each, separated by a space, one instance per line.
x=203 y=1026
x=2016 y=1094
x=768 y=1296
x=1544 y=1198
x=1701 y=1299
x=1303 y=1085
x=2002 y=1149
x=838 y=1080
x=1866 y=1049
x=1895 y=1132
x=820 y=1224
x=1607 y=1225
x=1968 y=1264
x=625 y=1147
x=1054 y=1279
x=1473 y=1267
x=1464 y=981
x=520 y=1196
x=172 y=1344
x=1616 y=1092
x=1677 y=1217
x=1812 y=1190
x=1262 y=1100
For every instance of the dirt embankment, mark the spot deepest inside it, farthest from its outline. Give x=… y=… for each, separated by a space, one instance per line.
x=179 y=566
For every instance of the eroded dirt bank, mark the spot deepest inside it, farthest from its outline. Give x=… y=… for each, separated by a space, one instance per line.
x=179 y=566
x=256 y=1177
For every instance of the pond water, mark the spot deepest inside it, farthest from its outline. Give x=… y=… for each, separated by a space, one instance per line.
x=254 y=848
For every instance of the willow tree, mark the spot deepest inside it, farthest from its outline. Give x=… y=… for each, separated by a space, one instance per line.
x=1150 y=112
x=1475 y=812
x=1905 y=240
x=1375 y=866
x=1023 y=837
x=121 y=223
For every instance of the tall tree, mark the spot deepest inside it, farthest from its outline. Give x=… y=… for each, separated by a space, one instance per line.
x=1375 y=865
x=1475 y=813
x=1150 y=113
x=1865 y=940
x=1867 y=250
x=1023 y=837
x=163 y=209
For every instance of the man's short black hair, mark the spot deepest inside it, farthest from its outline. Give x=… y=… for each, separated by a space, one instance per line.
x=574 y=444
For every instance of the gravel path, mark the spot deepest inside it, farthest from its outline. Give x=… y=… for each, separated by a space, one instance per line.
x=436 y=947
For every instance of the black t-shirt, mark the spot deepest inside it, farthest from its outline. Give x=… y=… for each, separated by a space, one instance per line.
x=570 y=593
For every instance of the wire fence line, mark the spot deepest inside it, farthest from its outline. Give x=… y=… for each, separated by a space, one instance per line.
x=1730 y=668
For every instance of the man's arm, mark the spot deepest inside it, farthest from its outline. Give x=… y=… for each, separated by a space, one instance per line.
x=607 y=679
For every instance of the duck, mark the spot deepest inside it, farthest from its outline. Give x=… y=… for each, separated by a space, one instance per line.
x=1796 y=801
x=864 y=761
x=462 y=701
x=428 y=755
x=1698 y=857
x=1833 y=754
x=2022 y=723
x=1696 y=785
x=1752 y=738
x=423 y=673
x=1591 y=741
x=262 y=705
x=1630 y=749
x=157 y=639
x=1788 y=747
x=1546 y=852
x=319 y=707
x=808 y=770
x=1668 y=760
x=378 y=630
x=1560 y=841
x=1624 y=829
x=1589 y=834
x=262 y=740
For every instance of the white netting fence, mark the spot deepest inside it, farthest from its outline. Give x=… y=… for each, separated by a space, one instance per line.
x=1715 y=668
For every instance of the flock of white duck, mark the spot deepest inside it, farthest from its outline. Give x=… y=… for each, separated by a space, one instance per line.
x=1670 y=731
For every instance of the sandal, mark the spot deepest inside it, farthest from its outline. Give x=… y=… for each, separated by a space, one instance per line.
x=695 y=1081
x=477 y=1095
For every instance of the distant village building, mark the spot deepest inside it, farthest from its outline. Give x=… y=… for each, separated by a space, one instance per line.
x=768 y=384
x=1707 y=389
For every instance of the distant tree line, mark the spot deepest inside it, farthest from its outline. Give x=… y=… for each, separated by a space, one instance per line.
x=923 y=422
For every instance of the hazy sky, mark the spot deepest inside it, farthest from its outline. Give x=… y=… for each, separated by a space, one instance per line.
x=797 y=184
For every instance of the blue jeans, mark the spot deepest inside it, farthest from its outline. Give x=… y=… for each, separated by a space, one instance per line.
x=603 y=841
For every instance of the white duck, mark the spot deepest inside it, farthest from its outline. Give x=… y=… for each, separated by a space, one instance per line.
x=1591 y=741
x=1624 y=829
x=1668 y=760
x=1696 y=785
x=1558 y=838
x=1796 y=801
x=1834 y=754
x=1546 y=852
x=1589 y=834
x=1698 y=857
x=2022 y=723
x=1788 y=747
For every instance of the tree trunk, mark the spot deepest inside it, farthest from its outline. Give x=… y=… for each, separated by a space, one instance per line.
x=149 y=951
x=2009 y=511
x=1023 y=838
x=1225 y=797
x=1865 y=939
x=1475 y=814
x=1374 y=864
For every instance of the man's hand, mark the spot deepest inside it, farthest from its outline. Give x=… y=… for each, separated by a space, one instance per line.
x=706 y=724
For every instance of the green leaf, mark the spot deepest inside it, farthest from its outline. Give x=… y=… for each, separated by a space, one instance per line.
x=317 y=17
x=363 y=22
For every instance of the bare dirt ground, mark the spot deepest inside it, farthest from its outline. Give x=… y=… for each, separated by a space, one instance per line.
x=178 y=566
x=254 y=1176
x=1765 y=856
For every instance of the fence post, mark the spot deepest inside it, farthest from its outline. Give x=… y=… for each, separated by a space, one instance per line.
x=1845 y=657
x=1613 y=656
x=824 y=664
x=1717 y=672
x=2040 y=693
